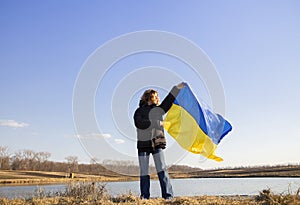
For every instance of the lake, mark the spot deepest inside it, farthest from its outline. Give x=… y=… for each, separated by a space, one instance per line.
x=182 y=187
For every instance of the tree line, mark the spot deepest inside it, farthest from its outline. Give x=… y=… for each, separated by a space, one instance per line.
x=29 y=160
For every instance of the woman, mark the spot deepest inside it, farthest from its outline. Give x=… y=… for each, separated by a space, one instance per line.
x=151 y=140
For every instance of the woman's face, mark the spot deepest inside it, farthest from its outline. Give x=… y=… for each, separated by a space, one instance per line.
x=154 y=99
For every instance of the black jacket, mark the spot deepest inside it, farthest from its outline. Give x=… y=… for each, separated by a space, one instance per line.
x=150 y=134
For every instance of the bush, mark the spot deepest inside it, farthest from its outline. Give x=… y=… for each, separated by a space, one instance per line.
x=84 y=190
x=267 y=197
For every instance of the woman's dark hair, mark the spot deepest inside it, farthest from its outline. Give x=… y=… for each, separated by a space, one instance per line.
x=147 y=95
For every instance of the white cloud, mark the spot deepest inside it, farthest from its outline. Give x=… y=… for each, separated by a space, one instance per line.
x=13 y=123
x=94 y=136
x=119 y=141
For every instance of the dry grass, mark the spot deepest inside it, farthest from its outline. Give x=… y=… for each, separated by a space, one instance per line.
x=268 y=197
x=96 y=193
x=130 y=199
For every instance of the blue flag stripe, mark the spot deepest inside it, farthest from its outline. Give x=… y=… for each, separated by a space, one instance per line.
x=213 y=125
x=188 y=101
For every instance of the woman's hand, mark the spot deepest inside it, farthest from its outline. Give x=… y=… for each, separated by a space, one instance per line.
x=181 y=85
x=165 y=124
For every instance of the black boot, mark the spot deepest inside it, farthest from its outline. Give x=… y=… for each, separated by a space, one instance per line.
x=145 y=187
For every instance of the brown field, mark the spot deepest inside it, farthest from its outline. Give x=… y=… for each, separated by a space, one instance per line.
x=20 y=177
x=263 y=171
x=40 y=177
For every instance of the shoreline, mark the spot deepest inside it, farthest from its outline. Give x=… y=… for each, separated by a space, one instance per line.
x=27 y=178
x=22 y=177
x=31 y=182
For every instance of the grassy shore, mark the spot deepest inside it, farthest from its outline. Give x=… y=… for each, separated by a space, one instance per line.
x=129 y=199
x=83 y=189
x=95 y=193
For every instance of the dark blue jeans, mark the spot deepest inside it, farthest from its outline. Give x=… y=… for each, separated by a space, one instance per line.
x=160 y=165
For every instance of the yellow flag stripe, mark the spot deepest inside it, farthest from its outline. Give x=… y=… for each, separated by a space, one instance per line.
x=186 y=131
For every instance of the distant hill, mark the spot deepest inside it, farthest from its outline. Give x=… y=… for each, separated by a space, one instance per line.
x=259 y=171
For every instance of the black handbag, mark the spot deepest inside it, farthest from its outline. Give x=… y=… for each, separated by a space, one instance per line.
x=159 y=142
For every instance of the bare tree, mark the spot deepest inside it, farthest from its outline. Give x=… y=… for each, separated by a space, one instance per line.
x=4 y=158
x=72 y=163
x=24 y=160
x=18 y=162
x=42 y=158
x=30 y=159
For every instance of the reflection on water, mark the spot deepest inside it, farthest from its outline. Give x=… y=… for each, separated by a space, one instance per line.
x=182 y=187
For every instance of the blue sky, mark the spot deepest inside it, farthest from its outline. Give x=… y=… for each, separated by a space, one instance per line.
x=254 y=45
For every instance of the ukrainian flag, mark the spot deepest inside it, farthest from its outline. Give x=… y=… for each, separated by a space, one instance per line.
x=194 y=126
